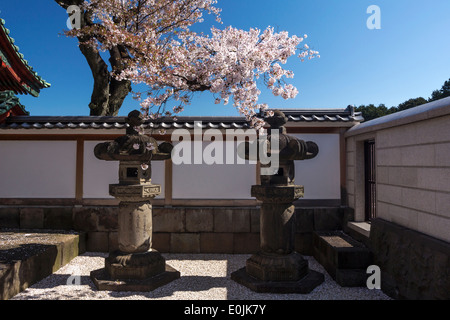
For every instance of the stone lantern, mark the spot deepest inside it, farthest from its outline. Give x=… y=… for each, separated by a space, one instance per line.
x=135 y=266
x=277 y=268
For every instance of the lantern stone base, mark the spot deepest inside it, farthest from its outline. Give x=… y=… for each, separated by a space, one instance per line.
x=134 y=265
x=268 y=267
x=303 y=286
x=278 y=274
x=103 y=281
x=134 y=272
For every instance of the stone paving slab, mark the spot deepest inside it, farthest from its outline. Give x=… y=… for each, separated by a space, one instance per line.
x=344 y=258
x=28 y=256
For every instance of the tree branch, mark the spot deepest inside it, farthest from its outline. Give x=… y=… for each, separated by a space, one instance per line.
x=67 y=3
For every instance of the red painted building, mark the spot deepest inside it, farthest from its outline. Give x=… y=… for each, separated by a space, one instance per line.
x=16 y=77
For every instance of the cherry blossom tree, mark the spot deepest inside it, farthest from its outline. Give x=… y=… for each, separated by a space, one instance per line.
x=151 y=42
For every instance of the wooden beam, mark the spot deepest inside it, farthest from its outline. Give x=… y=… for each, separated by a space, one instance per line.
x=258 y=173
x=59 y=137
x=215 y=203
x=318 y=130
x=168 y=174
x=343 y=166
x=79 y=171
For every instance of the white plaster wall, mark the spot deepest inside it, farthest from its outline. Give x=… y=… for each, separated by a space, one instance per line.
x=215 y=181
x=47 y=169
x=99 y=174
x=320 y=176
x=37 y=169
x=158 y=176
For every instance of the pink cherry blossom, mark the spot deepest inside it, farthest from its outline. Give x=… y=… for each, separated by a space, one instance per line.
x=174 y=62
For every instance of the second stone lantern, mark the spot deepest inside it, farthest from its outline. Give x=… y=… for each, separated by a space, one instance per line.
x=277 y=268
x=135 y=266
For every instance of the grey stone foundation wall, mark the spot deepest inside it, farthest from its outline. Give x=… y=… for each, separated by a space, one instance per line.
x=176 y=229
x=413 y=265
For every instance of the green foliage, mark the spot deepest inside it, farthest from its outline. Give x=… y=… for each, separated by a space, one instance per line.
x=411 y=103
x=442 y=93
x=370 y=112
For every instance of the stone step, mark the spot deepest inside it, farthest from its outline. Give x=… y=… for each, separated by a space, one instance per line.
x=28 y=256
x=345 y=259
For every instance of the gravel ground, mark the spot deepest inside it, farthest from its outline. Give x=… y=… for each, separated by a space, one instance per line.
x=203 y=277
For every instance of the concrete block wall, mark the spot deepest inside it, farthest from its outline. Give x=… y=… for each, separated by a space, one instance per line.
x=414 y=176
x=413 y=265
x=412 y=168
x=206 y=230
x=176 y=229
x=410 y=237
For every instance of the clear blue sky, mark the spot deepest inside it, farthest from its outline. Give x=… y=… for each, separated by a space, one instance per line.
x=407 y=58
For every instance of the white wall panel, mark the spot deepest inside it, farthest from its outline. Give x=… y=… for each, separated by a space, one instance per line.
x=37 y=169
x=98 y=174
x=47 y=169
x=320 y=176
x=215 y=181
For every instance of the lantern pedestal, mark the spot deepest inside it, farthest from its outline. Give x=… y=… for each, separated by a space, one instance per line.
x=135 y=266
x=277 y=268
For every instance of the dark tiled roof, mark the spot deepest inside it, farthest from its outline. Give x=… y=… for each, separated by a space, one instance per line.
x=334 y=115
x=27 y=122
x=8 y=101
x=91 y=122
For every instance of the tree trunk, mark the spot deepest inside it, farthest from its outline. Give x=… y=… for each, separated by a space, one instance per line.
x=118 y=89
x=100 y=94
x=108 y=94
